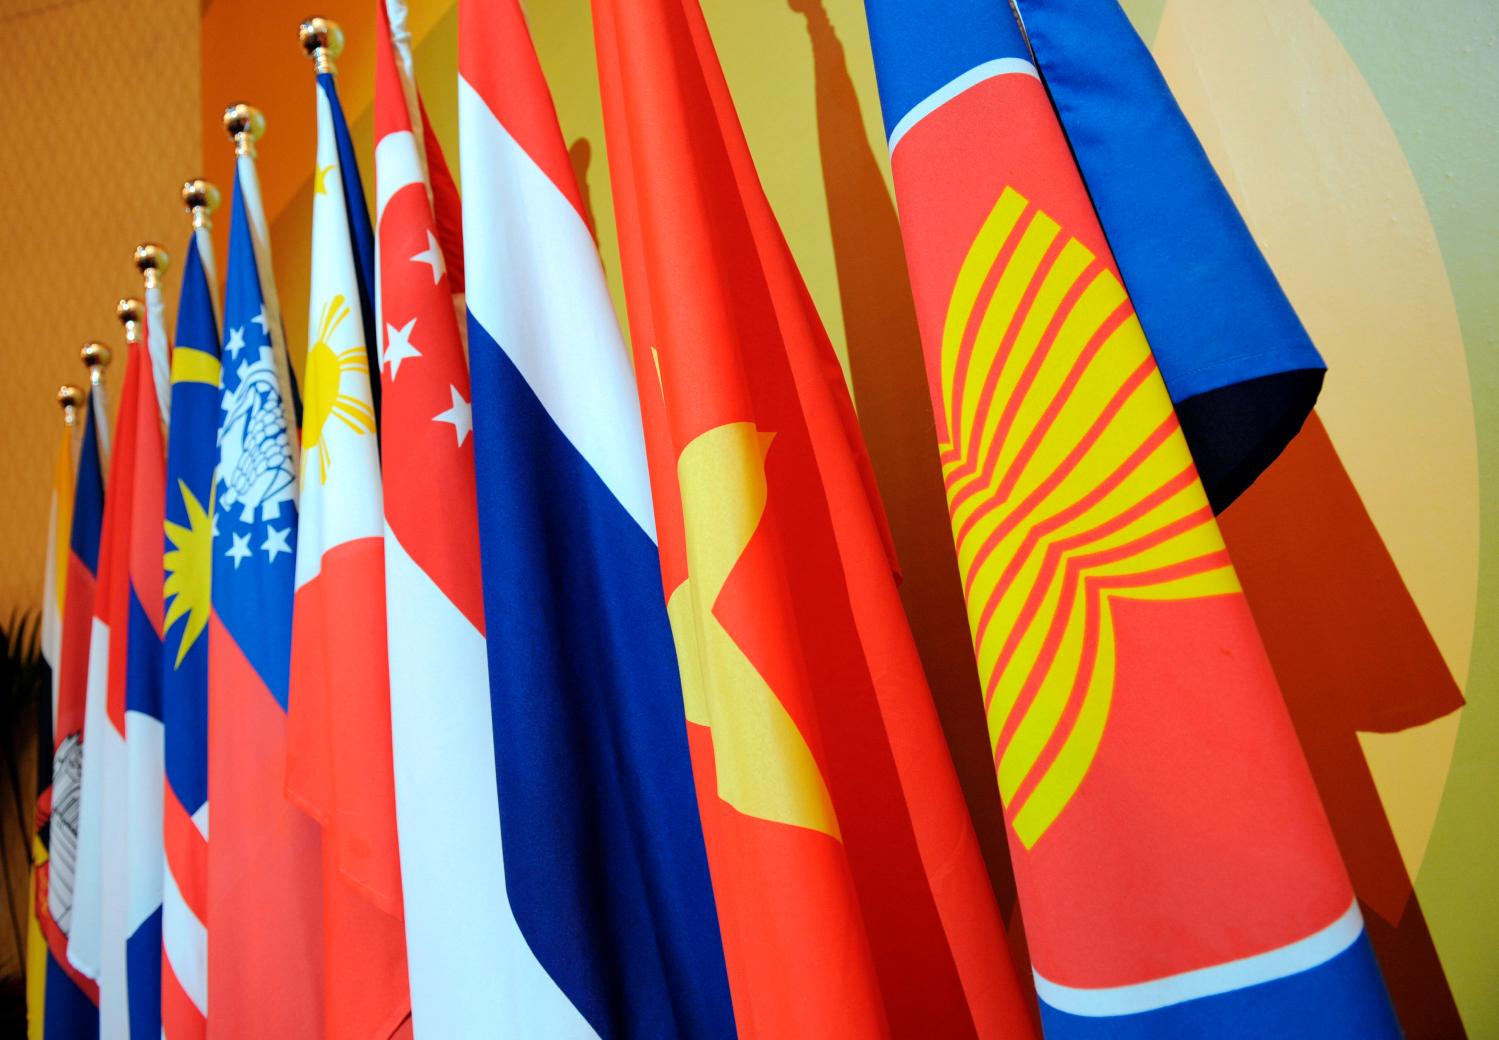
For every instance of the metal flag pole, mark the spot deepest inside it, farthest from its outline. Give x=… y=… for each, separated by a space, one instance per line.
x=96 y=358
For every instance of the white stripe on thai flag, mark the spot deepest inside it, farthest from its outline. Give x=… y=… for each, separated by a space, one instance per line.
x=599 y=414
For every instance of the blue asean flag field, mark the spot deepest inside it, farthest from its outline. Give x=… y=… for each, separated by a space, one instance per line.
x=1242 y=371
x=1175 y=868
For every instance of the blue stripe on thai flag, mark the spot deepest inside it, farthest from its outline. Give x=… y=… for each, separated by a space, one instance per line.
x=614 y=901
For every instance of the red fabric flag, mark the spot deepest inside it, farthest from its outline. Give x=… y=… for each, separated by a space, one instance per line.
x=850 y=888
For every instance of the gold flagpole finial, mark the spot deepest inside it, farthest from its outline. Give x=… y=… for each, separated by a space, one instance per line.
x=130 y=311
x=69 y=399
x=96 y=357
x=201 y=198
x=245 y=125
x=151 y=261
x=323 y=41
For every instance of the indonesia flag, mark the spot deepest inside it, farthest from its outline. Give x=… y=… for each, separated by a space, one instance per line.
x=189 y=570
x=339 y=759
x=116 y=928
x=605 y=872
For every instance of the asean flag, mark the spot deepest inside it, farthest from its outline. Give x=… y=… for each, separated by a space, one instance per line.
x=850 y=889
x=1176 y=871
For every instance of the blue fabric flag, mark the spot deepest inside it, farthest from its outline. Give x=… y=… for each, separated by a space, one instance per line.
x=1241 y=369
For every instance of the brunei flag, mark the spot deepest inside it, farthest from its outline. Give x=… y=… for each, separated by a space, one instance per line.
x=850 y=889
x=1175 y=868
x=188 y=560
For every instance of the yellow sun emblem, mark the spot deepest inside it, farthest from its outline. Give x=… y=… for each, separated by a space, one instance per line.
x=325 y=397
x=189 y=568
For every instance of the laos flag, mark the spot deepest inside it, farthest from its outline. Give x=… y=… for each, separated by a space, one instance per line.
x=1175 y=868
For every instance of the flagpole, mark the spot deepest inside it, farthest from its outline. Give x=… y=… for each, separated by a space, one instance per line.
x=201 y=198
x=96 y=358
x=151 y=261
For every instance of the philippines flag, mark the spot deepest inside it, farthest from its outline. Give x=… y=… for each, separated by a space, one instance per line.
x=614 y=929
x=116 y=929
x=1175 y=868
x=265 y=975
x=339 y=743
x=188 y=564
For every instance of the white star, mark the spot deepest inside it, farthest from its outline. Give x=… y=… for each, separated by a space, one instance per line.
x=236 y=341
x=276 y=542
x=432 y=255
x=398 y=347
x=239 y=550
x=215 y=521
x=461 y=415
x=259 y=319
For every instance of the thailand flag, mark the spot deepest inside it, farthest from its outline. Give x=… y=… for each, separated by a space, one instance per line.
x=605 y=871
x=72 y=999
x=265 y=973
x=189 y=571
x=339 y=743
x=116 y=932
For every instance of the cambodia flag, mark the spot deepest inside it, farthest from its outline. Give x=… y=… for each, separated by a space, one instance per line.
x=188 y=563
x=1241 y=369
x=849 y=884
x=1176 y=871
x=71 y=1000
x=115 y=936
x=265 y=969
x=605 y=872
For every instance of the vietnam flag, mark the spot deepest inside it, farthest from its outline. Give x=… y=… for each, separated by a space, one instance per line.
x=1175 y=868
x=850 y=889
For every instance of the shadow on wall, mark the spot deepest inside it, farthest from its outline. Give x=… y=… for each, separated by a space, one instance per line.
x=895 y=413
